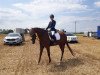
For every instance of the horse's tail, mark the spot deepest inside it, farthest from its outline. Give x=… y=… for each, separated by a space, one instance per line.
x=71 y=51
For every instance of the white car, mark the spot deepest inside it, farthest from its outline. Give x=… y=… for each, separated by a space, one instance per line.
x=71 y=37
x=13 y=38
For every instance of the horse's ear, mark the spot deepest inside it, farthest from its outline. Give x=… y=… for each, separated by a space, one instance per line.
x=30 y=31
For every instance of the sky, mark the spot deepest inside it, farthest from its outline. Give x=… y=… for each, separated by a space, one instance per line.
x=35 y=13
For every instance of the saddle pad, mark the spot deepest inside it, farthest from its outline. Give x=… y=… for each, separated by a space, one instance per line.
x=57 y=35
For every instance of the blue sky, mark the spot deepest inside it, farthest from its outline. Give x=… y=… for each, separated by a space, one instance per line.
x=35 y=13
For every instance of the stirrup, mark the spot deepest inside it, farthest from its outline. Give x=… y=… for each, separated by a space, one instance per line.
x=52 y=40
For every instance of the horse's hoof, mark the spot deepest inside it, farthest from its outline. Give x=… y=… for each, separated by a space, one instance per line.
x=60 y=60
x=49 y=61
x=38 y=63
x=73 y=54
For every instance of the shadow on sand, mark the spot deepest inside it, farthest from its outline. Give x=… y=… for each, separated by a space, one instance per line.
x=22 y=44
x=63 y=66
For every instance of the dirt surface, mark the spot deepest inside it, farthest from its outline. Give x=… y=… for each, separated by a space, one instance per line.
x=22 y=60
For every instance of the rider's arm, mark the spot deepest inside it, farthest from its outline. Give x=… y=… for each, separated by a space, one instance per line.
x=48 y=26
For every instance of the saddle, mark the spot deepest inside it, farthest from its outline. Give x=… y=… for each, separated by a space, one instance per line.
x=54 y=36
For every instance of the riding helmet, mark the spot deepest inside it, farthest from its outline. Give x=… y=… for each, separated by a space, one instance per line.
x=51 y=16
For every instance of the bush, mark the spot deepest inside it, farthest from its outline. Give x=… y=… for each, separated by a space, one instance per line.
x=4 y=31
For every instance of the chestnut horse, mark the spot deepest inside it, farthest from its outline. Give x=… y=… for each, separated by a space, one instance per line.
x=45 y=41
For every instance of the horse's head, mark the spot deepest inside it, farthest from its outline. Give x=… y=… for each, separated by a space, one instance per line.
x=33 y=35
x=39 y=31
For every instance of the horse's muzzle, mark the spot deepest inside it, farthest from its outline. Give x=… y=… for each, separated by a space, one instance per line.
x=33 y=42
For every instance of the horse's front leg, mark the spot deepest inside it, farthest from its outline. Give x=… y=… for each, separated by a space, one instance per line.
x=41 y=51
x=62 y=50
x=48 y=51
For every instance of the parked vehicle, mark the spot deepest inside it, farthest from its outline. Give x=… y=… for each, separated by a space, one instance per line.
x=86 y=34
x=21 y=31
x=13 y=38
x=71 y=37
x=98 y=32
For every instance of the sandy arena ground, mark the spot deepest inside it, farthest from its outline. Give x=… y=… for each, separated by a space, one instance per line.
x=22 y=60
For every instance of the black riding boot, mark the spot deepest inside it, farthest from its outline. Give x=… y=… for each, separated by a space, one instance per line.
x=54 y=38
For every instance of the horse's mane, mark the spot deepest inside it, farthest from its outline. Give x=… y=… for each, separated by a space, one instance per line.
x=42 y=30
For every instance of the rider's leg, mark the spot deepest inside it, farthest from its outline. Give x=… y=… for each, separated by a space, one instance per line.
x=53 y=36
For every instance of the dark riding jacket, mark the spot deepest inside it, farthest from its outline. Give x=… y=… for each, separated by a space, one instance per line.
x=51 y=25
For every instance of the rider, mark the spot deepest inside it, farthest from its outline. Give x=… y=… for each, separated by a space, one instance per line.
x=51 y=27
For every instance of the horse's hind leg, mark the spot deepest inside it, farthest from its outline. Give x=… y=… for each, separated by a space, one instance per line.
x=41 y=50
x=62 y=50
x=48 y=51
x=70 y=49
